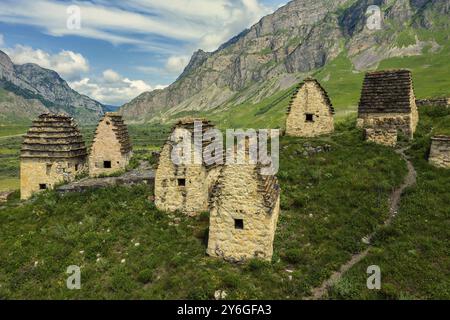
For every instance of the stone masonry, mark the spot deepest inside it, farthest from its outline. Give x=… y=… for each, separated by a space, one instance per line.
x=184 y=187
x=244 y=212
x=111 y=149
x=310 y=112
x=440 y=151
x=53 y=152
x=387 y=105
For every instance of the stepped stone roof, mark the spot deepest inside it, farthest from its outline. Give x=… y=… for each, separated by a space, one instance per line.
x=120 y=129
x=53 y=137
x=441 y=138
x=321 y=89
x=386 y=92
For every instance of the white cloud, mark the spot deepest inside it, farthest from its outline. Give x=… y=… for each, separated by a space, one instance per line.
x=112 y=88
x=68 y=64
x=202 y=24
x=111 y=76
x=176 y=64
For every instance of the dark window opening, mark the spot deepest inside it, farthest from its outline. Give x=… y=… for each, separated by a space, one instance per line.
x=42 y=186
x=107 y=164
x=107 y=122
x=309 y=117
x=181 y=182
x=76 y=167
x=48 y=169
x=239 y=224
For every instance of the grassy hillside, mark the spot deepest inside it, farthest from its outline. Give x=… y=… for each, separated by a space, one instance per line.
x=431 y=75
x=413 y=253
x=329 y=201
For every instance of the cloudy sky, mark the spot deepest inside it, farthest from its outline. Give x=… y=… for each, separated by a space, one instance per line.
x=114 y=50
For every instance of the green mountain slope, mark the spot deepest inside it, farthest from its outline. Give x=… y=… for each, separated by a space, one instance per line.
x=326 y=39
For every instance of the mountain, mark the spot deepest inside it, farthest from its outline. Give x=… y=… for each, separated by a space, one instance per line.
x=299 y=39
x=37 y=89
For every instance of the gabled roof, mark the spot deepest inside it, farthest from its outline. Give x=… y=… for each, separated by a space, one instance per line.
x=321 y=89
x=386 y=92
x=53 y=136
x=120 y=129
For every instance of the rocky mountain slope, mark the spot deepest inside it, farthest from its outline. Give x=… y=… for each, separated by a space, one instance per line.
x=296 y=40
x=36 y=89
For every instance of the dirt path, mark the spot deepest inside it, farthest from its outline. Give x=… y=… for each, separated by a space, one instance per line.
x=394 y=203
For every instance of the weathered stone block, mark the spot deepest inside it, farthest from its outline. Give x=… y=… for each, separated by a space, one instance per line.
x=440 y=151
x=244 y=214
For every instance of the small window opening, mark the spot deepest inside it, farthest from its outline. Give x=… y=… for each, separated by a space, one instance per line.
x=108 y=123
x=76 y=167
x=309 y=117
x=239 y=224
x=181 y=182
x=107 y=164
x=42 y=186
x=48 y=169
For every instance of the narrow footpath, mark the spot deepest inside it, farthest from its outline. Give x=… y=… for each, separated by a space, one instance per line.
x=394 y=203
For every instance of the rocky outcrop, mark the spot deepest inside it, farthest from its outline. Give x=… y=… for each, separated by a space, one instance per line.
x=30 y=81
x=295 y=40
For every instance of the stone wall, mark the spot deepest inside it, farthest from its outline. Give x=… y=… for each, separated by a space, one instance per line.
x=185 y=187
x=402 y=122
x=380 y=136
x=440 y=151
x=38 y=175
x=310 y=101
x=107 y=148
x=438 y=102
x=242 y=226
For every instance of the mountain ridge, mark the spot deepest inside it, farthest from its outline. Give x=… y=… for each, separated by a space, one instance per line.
x=43 y=88
x=287 y=45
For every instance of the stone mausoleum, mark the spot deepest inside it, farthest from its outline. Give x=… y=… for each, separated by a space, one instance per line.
x=111 y=149
x=387 y=106
x=184 y=187
x=440 y=151
x=244 y=212
x=53 y=151
x=310 y=112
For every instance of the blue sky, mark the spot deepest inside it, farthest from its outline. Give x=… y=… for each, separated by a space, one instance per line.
x=115 y=50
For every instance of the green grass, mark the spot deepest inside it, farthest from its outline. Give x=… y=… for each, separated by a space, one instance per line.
x=342 y=82
x=413 y=253
x=12 y=130
x=329 y=201
x=430 y=72
x=7 y=184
